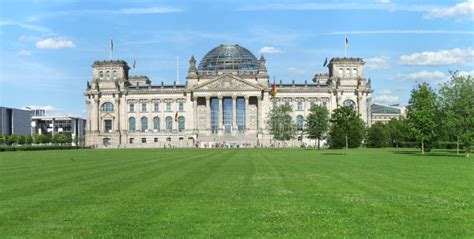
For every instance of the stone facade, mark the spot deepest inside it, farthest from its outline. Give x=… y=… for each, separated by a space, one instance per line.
x=226 y=100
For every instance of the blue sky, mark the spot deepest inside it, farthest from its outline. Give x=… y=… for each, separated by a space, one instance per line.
x=48 y=46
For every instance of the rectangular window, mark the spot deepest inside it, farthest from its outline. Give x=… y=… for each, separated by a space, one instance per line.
x=227 y=104
x=144 y=107
x=132 y=108
x=130 y=140
x=108 y=126
x=156 y=107
x=299 y=106
x=240 y=114
x=275 y=104
x=181 y=106
x=214 y=115
x=325 y=104
x=168 y=106
x=312 y=104
x=156 y=140
x=287 y=104
x=143 y=140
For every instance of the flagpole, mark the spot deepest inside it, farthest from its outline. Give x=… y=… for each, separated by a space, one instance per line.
x=111 y=48
x=345 y=45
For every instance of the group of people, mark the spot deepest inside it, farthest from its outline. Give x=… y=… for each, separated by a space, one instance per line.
x=222 y=145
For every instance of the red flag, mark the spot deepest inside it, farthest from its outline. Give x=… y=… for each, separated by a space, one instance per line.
x=274 y=91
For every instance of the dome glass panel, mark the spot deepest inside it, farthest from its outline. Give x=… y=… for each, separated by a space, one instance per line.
x=229 y=58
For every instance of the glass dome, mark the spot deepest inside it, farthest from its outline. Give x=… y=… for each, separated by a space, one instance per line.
x=229 y=58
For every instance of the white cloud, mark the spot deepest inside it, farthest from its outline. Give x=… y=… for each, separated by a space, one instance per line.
x=55 y=43
x=431 y=76
x=151 y=10
x=295 y=71
x=385 y=92
x=387 y=98
x=455 y=56
x=459 y=11
x=466 y=73
x=48 y=108
x=24 y=53
x=379 y=32
x=270 y=50
x=379 y=5
x=27 y=26
x=376 y=63
x=123 y=11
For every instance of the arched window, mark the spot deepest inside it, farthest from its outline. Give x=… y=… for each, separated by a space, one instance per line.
x=299 y=122
x=131 y=124
x=347 y=73
x=114 y=74
x=144 y=122
x=181 y=123
x=107 y=74
x=341 y=72
x=107 y=107
x=354 y=72
x=101 y=74
x=349 y=103
x=156 y=123
x=169 y=124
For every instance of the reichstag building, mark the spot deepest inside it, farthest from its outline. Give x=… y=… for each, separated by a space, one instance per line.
x=224 y=101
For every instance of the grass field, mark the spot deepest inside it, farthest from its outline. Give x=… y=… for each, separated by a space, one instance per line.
x=228 y=193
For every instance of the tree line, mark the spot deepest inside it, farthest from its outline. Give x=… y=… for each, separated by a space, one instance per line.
x=433 y=119
x=58 y=139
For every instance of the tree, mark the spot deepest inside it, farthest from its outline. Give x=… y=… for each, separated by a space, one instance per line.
x=347 y=129
x=68 y=138
x=457 y=101
x=317 y=123
x=3 y=138
x=12 y=139
x=280 y=123
x=378 y=135
x=21 y=139
x=422 y=115
x=29 y=139
x=398 y=132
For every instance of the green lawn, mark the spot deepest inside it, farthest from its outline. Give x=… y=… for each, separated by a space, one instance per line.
x=229 y=193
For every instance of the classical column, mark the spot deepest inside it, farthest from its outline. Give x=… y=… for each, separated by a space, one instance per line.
x=208 y=114
x=53 y=123
x=219 y=121
x=306 y=106
x=259 y=113
x=95 y=120
x=117 y=114
x=234 y=113
x=195 y=112
x=88 y=121
x=247 y=121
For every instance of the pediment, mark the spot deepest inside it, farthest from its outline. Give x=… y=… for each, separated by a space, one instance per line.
x=227 y=83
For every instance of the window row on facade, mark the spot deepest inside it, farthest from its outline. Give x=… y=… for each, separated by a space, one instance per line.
x=299 y=106
x=144 y=107
x=155 y=107
x=107 y=74
x=156 y=124
x=347 y=72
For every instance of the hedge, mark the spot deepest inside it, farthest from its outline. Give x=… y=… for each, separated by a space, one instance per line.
x=39 y=147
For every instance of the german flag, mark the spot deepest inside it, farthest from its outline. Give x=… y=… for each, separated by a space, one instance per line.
x=274 y=91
